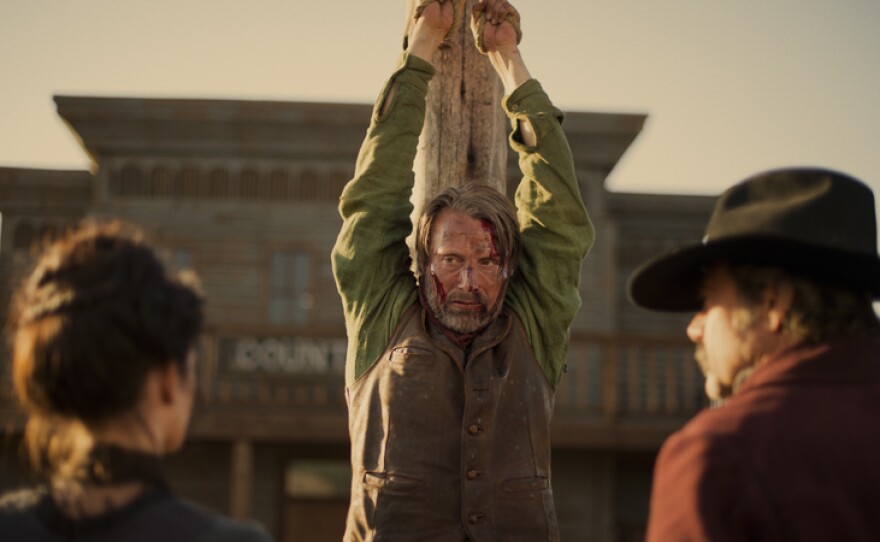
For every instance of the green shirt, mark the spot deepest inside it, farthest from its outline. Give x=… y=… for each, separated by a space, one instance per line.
x=371 y=261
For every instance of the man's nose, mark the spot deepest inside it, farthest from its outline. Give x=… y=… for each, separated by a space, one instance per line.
x=695 y=327
x=467 y=281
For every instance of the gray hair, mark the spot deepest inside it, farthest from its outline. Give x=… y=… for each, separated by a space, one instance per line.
x=821 y=308
x=481 y=202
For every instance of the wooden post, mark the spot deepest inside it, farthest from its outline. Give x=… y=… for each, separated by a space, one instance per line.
x=242 y=479
x=610 y=400
x=464 y=138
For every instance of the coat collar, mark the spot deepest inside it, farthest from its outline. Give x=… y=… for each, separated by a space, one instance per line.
x=843 y=358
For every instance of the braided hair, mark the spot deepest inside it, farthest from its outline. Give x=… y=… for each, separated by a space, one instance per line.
x=95 y=316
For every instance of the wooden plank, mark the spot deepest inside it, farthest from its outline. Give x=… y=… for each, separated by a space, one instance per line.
x=652 y=384
x=672 y=405
x=242 y=473
x=610 y=403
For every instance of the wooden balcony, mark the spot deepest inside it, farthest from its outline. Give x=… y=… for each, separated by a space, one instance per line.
x=617 y=392
x=626 y=391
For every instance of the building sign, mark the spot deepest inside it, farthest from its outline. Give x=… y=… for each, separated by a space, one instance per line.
x=282 y=355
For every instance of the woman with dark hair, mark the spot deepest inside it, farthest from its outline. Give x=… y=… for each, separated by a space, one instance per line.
x=104 y=365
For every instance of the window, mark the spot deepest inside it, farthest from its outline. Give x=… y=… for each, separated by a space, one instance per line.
x=278 y=185
x=337 y=181
x=316 y=500
x=182 y=259
x=250 y=188
x=48 y=233
x=161 y=183
x=219 y=183
x=309 y=185
x=290 y=277
x=24 y=236
x=176 y=259
x=188 y=182
x=318 y=479
x=131 y=181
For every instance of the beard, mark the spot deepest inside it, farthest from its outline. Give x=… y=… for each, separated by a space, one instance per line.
x=457 y=319
x=743 y=321
x=714 y=389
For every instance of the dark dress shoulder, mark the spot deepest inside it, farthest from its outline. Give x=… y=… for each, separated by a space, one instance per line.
x=155 y=515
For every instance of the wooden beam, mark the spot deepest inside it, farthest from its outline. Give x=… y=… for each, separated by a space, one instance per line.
x=464 y=138
x=242 y=470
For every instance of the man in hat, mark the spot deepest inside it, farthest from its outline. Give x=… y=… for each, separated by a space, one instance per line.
x=450 y=374
x=786 y=335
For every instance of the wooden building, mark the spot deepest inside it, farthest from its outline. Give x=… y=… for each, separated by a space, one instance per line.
x=246 y=193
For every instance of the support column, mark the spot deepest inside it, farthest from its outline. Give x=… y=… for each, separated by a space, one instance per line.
x=242 y=479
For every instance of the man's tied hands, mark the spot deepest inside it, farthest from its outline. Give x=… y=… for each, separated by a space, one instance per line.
x=496 y=26
x=434 y=21
x=494 y=23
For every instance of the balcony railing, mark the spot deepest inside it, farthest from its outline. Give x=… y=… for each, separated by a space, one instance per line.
x=618 y=376
x=617 y=389
x=626 y=390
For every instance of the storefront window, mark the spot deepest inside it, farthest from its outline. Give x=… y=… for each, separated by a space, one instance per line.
x=290 y=300
x=316 y=500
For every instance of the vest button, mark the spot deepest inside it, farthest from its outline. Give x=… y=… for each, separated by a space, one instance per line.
x=473 y=429
x=473 y=474
x=473 y=518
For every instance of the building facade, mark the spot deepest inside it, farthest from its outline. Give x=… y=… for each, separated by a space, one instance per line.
x=245 y=193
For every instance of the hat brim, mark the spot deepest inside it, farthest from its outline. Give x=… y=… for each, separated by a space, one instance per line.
x=672 y=282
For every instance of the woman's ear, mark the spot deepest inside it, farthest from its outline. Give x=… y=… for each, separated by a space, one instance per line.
x=169 y=383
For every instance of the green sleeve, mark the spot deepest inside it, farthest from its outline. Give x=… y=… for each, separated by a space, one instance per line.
x=371 y=261
x=557 y=233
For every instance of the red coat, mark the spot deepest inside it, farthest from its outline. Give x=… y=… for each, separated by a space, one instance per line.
x=794 y=455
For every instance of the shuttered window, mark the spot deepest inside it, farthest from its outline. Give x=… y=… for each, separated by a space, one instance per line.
x=290 y=277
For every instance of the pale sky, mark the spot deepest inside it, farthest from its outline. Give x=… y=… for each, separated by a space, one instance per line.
x=730 y=87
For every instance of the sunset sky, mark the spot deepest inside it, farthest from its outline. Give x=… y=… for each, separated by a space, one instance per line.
x=730 y=88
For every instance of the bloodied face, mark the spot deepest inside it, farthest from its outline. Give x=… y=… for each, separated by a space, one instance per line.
x=465 y=275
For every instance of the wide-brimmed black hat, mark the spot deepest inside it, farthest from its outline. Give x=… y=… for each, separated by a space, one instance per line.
x=808 y=220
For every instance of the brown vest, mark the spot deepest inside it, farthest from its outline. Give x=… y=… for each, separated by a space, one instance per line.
x=451 y=446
